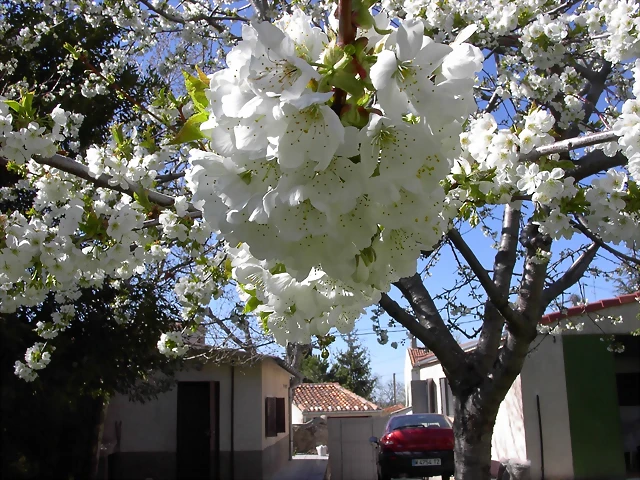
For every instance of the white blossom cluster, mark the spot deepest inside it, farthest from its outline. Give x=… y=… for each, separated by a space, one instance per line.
x=503 y=153
x=172 y=344
x=37 y=357
x=21 y=144
x=628 y=127
x=325 y=201
x=297 y=310
x=139 y=168
x=538 y=39
x=290 y=180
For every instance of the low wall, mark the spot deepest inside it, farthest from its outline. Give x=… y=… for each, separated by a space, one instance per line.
x=307 y=436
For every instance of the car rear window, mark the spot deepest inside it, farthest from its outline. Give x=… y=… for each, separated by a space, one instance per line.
x=419 y=420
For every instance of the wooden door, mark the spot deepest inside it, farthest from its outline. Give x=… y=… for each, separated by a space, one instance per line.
x=193 y=448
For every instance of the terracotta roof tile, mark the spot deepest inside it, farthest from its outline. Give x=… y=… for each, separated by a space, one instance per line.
x=393 y=408
x=329 y=397
x=588 y=308
x=417 y=355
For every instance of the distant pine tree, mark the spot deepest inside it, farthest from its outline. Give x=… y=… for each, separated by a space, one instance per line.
x=315 y=369
x=352 y=369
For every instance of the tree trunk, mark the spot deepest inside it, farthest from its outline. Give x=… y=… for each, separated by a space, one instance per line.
x=472 y=429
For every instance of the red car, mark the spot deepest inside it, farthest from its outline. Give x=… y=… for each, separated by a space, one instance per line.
x=416 y=446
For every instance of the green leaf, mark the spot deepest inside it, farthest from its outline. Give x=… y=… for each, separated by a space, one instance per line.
x=27 y=104
x=202 y=76
x=195 y=88
x=248 y=291
x=251 y=305
x=92 y=225
x=142 y=198
x=347 y=82
x=264 y=316
x=72 y=50
x=279 y=268
x=118 y=136
x=13 y=105
x=190 y=131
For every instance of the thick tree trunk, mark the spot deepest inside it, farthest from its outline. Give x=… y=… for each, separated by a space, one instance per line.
x=472 y=430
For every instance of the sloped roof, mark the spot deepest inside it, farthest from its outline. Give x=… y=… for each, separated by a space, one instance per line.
x=425 y=356
x=329 y=397
x=589 y=308
x=230 y=356
x=393 y=408
x=416 y=355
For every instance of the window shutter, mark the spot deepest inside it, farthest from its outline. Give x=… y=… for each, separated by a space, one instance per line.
x=281 y=422
x=432 y=394
x=443 y=396
x=446 y=398
x=270 y=417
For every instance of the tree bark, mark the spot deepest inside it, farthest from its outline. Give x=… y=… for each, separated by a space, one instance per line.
x=473 y=429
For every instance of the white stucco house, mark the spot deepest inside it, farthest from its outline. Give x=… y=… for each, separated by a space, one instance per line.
x=574 y=410
x=312 y=400
x=224 y=419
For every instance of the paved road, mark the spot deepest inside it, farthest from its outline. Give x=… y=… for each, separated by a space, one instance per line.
x=303 y=467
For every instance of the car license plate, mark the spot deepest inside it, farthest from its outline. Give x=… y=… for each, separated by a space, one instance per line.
x=423 y=462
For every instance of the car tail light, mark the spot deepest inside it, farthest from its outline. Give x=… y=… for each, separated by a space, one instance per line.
x=445 y=442
x=388 y=440
x=389 y=443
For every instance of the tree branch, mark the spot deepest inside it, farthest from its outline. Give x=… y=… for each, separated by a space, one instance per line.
x=82 y=171
x=210 y=19
x=571 y=276
x=582 y=227
x=228 y=331
x=168 y=177
x=490 y=338
x=512 y=354
x=597 y=81
x=346 y=31
x=429 y=327
x=403 y=317
x=496 y=296
x=594 y=162
x=569 y=144
x=261 y=8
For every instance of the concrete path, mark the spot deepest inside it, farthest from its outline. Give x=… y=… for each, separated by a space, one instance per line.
x=303 y=467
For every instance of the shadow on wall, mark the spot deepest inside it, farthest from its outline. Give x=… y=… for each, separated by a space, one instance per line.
x=307 y=436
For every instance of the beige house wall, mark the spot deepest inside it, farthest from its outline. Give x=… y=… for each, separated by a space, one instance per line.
x=628 y=312
x=149 y=429
x=275 y=383
x=543 y=375
x=434 y=372
x=410 y=373
x=275 y=450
